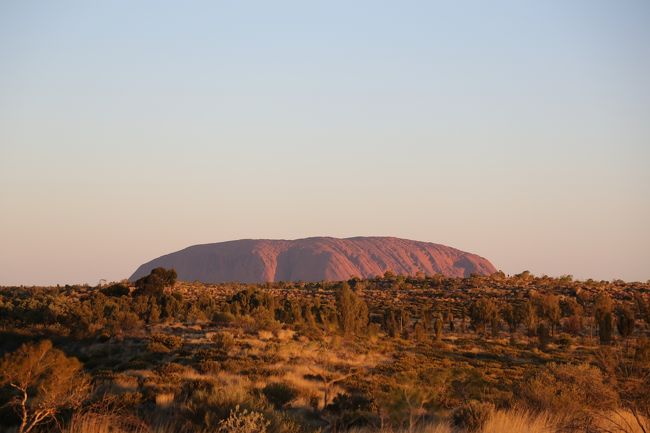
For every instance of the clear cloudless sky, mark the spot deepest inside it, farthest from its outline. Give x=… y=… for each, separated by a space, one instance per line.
x=518 y=130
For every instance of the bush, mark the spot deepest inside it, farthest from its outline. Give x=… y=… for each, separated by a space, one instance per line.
x=243 y=421
x=116 y=290
x=565 y=340
x=224 y=341
x=223 y=318
x=572 y=392
x=472 y=416
x=172 y=342
x=280 y=394
x=543 y=336
x=44 y=380
x=154 y=283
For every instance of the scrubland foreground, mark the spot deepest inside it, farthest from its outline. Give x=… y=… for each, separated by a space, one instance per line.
x=489 y=354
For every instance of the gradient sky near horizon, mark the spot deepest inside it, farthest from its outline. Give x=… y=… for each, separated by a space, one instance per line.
x=518 y=130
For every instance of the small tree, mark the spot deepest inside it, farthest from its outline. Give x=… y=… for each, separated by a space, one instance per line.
x=449 y=318
x=352 y=311
x=575 y=394
x=543 y=336
x=437 y=326
x=420 y=333
x=643 y=306
x=603 y=310
x=44 y=381
x=154 y=283
x=483 y=312
x=606 y=328
x=513 y=316
x=549 y=306
x=529 y=313
x=280 y=394
x=625 y=320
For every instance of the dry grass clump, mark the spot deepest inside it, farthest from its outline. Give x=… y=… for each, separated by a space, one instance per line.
x=519 y=421
x=428 y=428
x=497 y=421
x=124 y=383
x=623 y=421
x=90 y=422
x=164 y=399
x=285 y=334
x=264 y=335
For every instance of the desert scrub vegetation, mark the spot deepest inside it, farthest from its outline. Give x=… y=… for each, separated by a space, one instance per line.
x=385 y=354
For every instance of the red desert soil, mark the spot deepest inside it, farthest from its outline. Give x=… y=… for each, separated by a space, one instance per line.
x=315 y=259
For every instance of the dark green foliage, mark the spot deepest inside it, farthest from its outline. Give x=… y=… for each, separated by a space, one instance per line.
x=643 y=306
x=224 y=341
x=603 y=313
x=543 y=335
x=172 y=342
x=395 y=321
x=484 y=312
x=118 y=289
x=472 y=416
x=250 y=301
x=529 y=314
x=574 y=312
x=352 y=311
x=280 y=394
x=549 y=310
x=437 y=327
x=449 y=319
x=352 y=410
x=513 y=316
x=154 y=283
x=625 y=320
x=606 y=328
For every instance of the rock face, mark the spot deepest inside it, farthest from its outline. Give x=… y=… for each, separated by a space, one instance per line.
x=315 y=259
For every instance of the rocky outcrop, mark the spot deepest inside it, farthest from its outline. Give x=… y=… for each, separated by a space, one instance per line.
x=315 y=259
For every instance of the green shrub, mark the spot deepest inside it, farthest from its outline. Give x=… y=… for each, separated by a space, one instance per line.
x=154 y=283
x=280 y=394
x=116 y=290
x=571 y=392
x=472 y=416
x=565 y=340
x=223 y=318
x=224 y=341
x=172 y=342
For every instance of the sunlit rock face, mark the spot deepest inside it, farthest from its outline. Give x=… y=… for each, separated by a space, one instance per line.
x=315 y=259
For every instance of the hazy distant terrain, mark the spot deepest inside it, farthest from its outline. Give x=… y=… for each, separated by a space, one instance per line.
x=316 y=259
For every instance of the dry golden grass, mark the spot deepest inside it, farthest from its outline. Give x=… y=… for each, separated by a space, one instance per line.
x=264 y=335
x=428 y=428
x=623 y=421
x=101 y=423
x=285 y=334
x=165 y=399
x=500 y=421
x=519 y=421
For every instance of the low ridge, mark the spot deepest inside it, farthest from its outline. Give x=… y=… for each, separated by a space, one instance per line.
x=315 y=259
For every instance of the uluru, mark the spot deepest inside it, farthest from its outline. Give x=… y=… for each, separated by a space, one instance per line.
x=315 y=259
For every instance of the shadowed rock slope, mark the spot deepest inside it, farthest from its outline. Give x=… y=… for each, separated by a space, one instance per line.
x=315 y=259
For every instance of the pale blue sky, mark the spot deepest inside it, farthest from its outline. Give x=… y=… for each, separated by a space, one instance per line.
x=518 y=130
